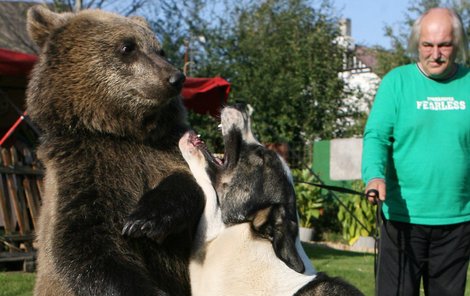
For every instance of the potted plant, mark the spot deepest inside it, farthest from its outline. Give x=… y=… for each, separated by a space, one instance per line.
x=309 y=202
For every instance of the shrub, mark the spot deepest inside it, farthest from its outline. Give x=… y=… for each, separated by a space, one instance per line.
x=357 y=211
x=310 y=201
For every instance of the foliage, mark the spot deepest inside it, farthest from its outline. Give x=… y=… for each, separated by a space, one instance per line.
x=389 y=59
x=279 y=55
x=207 y=127
x=176 y=25
x=285 y=64
x=121 y=7
x=358 y=216
x=309 y=199
x=327 y=226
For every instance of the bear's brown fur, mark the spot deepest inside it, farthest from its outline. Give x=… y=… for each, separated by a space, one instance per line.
x=108 y=106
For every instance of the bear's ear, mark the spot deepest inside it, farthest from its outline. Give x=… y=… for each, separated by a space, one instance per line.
x=141 y=21
x=41 y=22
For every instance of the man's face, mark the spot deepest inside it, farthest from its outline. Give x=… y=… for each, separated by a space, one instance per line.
x=436 y=48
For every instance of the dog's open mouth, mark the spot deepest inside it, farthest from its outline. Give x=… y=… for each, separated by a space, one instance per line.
x=197 y=142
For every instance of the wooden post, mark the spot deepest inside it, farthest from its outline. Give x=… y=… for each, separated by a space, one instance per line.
x=5 y=207
x=13 y=192
x=31 y=190
x=33 y=207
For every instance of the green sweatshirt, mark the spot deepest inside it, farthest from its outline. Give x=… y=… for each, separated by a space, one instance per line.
x=417 y=137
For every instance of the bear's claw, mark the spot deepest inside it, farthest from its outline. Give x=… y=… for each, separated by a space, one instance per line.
x=157 y=231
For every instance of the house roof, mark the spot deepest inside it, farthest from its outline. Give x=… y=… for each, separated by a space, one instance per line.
x=368 y=56
x=13 y=34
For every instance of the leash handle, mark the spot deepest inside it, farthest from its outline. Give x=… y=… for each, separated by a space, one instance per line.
x=374 y=193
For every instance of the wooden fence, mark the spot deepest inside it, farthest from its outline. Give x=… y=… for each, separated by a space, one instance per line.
x=20 y=198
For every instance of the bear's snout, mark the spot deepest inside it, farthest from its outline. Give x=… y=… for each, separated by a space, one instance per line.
x=177 y=80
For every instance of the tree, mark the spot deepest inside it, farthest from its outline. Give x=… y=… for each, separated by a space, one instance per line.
x=13 y=18
x=282 y=58
x=121 y=7
x=282 y=69
x=13 y=35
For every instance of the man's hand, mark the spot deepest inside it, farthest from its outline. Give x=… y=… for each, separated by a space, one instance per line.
x=375 y=184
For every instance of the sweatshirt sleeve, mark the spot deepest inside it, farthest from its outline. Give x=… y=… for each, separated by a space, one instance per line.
x=378 y=133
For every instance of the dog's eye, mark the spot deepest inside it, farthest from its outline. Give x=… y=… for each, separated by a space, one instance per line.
x=161 y=52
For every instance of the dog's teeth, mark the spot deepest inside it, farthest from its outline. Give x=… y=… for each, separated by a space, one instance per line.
x=220 y=125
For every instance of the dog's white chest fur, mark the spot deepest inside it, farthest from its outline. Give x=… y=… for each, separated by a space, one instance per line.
x=237 y=263
x=232 y=261
x=258 y=251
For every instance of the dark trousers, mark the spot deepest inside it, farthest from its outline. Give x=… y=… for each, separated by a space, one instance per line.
x=437 y=254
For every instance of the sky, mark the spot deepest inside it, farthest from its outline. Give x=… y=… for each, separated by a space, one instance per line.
x=369 y=17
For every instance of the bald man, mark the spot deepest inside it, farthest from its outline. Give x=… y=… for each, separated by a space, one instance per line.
x=416 y=161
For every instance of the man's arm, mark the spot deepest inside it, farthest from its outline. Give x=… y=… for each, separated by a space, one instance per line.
x=378 y=138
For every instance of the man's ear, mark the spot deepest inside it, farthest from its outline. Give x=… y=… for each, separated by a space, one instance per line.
x=41 y=22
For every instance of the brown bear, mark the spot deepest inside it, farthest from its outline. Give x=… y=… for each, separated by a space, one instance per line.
x=107 y=103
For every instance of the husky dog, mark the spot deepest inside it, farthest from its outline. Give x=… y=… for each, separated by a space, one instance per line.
x=247 y=239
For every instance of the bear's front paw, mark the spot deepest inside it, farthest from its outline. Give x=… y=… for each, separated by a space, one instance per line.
x=156 y=228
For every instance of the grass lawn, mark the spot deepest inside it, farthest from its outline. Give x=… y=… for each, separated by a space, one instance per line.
x=16 y=283
x=356 y=268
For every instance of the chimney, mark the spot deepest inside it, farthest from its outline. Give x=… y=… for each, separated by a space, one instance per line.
x=345 y=27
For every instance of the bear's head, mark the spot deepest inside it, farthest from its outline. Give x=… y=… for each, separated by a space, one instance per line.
x=100 y=72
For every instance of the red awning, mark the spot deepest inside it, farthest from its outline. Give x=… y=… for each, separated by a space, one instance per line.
x=202 y=95
x=205 y=95
x=15 y=63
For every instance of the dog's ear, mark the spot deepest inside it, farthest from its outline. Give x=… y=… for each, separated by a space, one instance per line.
x=284 y=237
x=276 y=224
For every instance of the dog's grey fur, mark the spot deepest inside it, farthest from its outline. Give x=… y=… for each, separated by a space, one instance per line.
x=255 y=178
x=248 y=235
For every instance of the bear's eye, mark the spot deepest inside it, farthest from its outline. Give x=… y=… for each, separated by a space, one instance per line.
x=161 y=53
x=128 y=48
